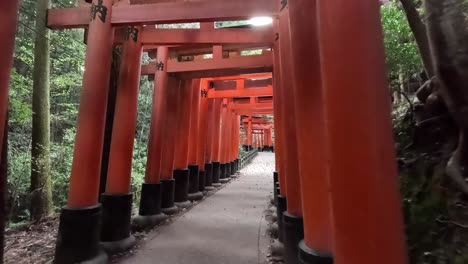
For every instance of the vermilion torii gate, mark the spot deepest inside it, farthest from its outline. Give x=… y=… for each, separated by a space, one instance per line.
x=337 y=197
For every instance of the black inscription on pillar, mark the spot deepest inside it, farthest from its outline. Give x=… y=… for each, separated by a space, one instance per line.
x=132 y=33
x=204 y=93
x=211 y=85
x=160 y=66
x=276 y=36
x=99 y=9
x=284 y=3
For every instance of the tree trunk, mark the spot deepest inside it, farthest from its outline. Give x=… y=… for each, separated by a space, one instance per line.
x=3 y=187
x=419 y=31
x=447 y=28
x=41 y=190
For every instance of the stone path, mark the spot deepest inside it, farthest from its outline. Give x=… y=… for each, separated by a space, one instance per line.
x=228 y=227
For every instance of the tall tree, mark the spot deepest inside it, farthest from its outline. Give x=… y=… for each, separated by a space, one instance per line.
x=448 y=35
x=41 y=190
x=419 y=31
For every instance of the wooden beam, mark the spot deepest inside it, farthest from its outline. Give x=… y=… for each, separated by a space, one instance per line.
x=252 y=92
x=212 y=64
x=173 y=66
x=222 y=72
x=198 y=49
x=231 y=84
x=254 y=112
x=178 y=12
x=268 y=75
x=263 y=36
x=255 y=106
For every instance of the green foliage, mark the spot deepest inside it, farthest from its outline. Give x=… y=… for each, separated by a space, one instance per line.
x=402 y=54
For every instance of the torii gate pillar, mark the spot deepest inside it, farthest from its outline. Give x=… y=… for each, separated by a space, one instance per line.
x=293 y=227
x=181 y=172
x=80 y=221
x=117 y=201
x=194 y=169
x=150 y=211
x=8 y=17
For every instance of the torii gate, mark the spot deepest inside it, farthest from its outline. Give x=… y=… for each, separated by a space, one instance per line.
x=321 y=68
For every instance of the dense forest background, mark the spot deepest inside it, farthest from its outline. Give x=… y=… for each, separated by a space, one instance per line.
x=435 y=214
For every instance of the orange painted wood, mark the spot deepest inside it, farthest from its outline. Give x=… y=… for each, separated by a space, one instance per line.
x=212 y=64
x=84 y=179
x=251 y=92
x=125 y=117
x=202 y=127
x=289 y=148
x=222 y=72
x=224 y=128
x=217 y=51
x=254 y=112
x=216 y=130
x=158 y=113
x=8 y=17
x=197 y=36
x=173 y=66
x=170 y=128
x=235 y=137
x=278 y=113
x=366 y=205
x=155 y=36
x=268 y=75
x=231 y=138
x=255 y=106
x=310 y=114
x=181 y=12
x=194 y=121
x=255 y=120
x=183 y=126
x=249 y=132
x=209 y=133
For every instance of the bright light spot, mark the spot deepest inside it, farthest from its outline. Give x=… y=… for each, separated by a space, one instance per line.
x=261 y=21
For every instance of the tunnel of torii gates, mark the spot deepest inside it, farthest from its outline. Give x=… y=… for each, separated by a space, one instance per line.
x=335 y=182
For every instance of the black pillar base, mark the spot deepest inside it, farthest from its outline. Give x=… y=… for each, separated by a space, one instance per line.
x=150 y=213
x=167 y=197
x=310 y=256
x=224 y=178
x=194 y=181
x=233 y=169
x=78 y=236
x=181 y=177
x=275 y=196
x=150 y=202
x=208 y=174
x=227 y=170
x=116 y=222
x=293 y=233
x=222 y=171
x=216 y=173
x=201 y=180
x=275 y=180
x=281 y=207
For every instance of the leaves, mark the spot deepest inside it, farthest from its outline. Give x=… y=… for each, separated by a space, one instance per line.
x=402 y=54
